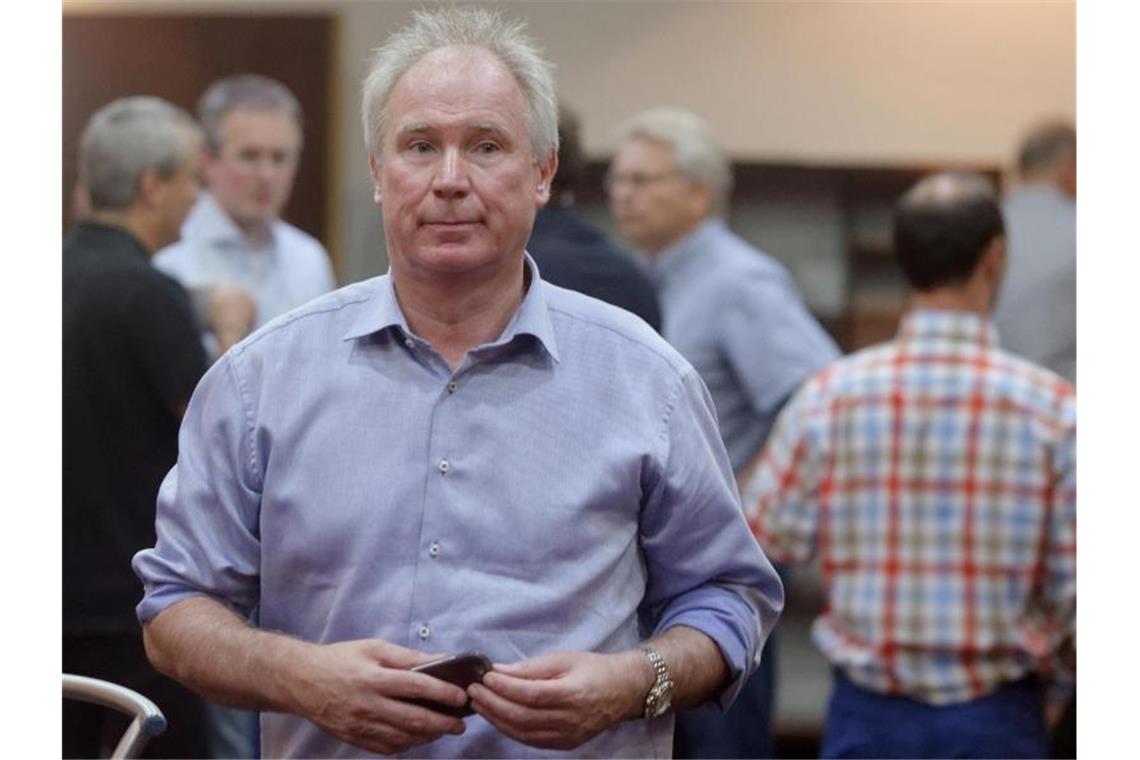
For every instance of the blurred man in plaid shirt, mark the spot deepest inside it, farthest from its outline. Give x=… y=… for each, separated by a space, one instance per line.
x=934 y=477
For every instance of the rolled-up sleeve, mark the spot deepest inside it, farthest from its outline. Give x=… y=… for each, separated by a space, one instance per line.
x=705 y=569
x=207 y=516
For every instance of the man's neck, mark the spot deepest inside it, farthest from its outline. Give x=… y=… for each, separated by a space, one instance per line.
x=457 y=314
x=257 y=234
x=657 y=248
x=130 y=221
x=952 y=299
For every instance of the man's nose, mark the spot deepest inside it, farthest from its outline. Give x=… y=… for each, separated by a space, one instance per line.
x=451 y=178
x=267 y=169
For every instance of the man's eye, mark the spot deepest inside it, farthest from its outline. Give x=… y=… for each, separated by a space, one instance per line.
x=487 y=147
x=420 y=147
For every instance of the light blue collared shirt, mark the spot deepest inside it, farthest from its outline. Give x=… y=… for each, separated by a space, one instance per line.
x=1036 y=312
x=291 y=269
x=736 y=314
x=565 y=489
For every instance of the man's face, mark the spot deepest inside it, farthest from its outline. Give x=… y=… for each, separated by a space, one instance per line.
x=652 y=203
x=456 y=177
x=175 y=195
x=251 y=174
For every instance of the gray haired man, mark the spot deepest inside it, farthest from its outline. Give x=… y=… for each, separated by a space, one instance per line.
x=131 y=358
x=736 y=314
x=456 y=456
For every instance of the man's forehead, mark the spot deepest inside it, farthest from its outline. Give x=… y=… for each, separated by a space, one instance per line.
x=643 y=149
x=458 y=73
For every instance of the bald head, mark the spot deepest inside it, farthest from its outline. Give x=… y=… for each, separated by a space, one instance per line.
x=943 y=226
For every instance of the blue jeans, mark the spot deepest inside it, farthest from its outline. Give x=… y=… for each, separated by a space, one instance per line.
x=742 y=731
x=1007 y=723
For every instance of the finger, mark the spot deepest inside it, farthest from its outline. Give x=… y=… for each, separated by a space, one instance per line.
x=547 y=666
x=405 y=684
x=523 y=691
x=420 y=723
x=520 y=718
x=534 y=736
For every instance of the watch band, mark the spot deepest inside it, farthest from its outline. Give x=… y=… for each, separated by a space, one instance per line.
x=660 y=696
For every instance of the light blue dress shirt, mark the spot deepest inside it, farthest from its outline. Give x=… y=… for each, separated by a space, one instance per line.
x=565 y=489
x=289 y=270
x=1036 y=311
x=737 y=316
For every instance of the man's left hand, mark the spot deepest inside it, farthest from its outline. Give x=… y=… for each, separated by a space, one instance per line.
x=560 y=700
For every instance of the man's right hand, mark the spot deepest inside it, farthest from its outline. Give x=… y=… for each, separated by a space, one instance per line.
x=356 y=691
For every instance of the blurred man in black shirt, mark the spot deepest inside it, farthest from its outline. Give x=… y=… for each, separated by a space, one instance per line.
x=570 y=252
x=131 y=358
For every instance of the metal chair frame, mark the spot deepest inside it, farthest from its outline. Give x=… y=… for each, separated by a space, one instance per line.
x=148 y=721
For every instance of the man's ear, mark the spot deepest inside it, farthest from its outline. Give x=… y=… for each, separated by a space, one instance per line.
x=546 y=171
x=374 y=166
x=151 y=187
x=702 y=198
x=993 y=261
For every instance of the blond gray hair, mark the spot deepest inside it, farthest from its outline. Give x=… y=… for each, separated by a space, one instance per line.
x=432 y=30
x=698 y=156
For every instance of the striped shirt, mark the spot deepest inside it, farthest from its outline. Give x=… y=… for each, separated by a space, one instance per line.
x=935 y=478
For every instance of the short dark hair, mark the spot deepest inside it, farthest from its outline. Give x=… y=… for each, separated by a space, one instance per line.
x=1045 y=145
x=570 y=161
x=943 y=225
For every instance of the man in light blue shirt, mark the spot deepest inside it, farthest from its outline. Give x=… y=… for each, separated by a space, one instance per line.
x=240 y=262
x=735 y=314
x=1036 y=312
x=453 y=456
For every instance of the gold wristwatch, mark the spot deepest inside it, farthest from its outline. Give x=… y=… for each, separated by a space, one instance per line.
x=660 y=696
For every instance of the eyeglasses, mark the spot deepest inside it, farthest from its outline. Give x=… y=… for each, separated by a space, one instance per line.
x=636 y=180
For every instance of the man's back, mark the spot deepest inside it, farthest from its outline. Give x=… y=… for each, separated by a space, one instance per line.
x=572 y=254
x=934 y=476
x=1036 y=313
x=736 y=315
x=130 y=357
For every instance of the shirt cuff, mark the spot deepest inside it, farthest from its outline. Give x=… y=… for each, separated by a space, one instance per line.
x=731 y=624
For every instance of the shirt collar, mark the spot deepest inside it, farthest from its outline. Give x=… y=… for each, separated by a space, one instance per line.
x=112 y=238
x=531 y=318
x=675 y=258
x=955 y=326
x=207 y=221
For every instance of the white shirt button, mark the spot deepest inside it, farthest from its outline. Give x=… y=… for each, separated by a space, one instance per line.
x=434 y=549
x=452 y=386
x=409 y=343
x=444 y=466
x=424 y=632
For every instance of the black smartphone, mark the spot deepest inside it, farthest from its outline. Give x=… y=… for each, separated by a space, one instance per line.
x=459 y=669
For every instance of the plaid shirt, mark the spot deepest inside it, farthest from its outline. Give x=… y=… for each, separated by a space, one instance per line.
x=935 y=478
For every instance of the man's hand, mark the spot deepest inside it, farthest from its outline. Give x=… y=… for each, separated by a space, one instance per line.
x=561 y=700
x=355 y=691
x=232 y=313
